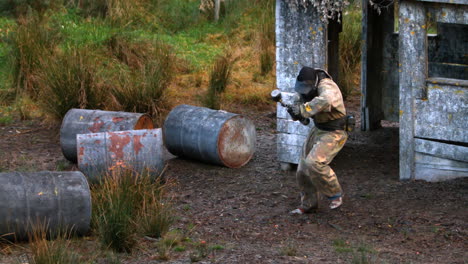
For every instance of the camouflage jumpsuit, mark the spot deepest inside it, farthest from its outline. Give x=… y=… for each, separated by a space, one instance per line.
x=314 y=174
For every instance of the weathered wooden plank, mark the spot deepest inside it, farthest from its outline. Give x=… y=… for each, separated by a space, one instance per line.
x=444 y=114
x=442 y=133
x=413 y=71
x=293 y=127
x=442 y=150
x=454 y=14
x=288 y=153
x=431 y=168
x=461 y=2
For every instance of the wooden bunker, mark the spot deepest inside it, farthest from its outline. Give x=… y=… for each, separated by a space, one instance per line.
x=409 y=76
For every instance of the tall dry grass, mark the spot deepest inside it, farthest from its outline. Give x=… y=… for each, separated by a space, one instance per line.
x=128 y=203
x=116 y=12
x=220 y=77
x=32 y=41
x=267 y=38
x=45 y=251
x=143 y=82
x=69 y=80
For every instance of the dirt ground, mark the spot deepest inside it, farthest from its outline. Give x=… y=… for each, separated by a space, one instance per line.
x=382 y=220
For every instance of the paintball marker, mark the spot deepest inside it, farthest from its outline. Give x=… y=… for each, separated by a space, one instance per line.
x=276 y=96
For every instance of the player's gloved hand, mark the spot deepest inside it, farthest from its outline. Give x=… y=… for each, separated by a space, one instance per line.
x=295 y=111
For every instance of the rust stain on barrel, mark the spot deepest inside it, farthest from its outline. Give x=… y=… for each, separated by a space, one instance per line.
x=81 y=152
x=137 y=143
x=117 y=119
x=118 y=143
x=97 y=124
x=231 y=140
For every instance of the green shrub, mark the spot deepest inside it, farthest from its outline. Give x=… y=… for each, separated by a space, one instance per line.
x=127 y=203
x=176 y=15
x=149 y=69
x=21 y=8
x=69 y=80
x=350 y=51
x=219 y=78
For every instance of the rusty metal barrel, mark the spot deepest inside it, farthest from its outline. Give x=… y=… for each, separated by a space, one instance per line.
x=60 y=201
x=83 y=121
x=137 y=150
x=211 y=136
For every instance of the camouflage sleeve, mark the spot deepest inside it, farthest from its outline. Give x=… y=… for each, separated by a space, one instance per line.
x=321 y=103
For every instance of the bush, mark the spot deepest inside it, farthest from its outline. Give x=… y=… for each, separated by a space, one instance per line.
x=128 y=203
x=350 y=51
x=44 y=251
x=176 y=15
x=219 y=78
x=117 y=12
x=143 y=84
x=32 y=42
x=20 y=8
x=69 y=80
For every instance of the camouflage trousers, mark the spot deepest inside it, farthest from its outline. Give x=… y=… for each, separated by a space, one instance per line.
x=314 y=174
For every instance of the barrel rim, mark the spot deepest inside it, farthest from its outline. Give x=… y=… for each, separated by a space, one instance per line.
x=221 y=157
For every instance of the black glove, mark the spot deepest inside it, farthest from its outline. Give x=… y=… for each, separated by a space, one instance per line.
x=295 y=112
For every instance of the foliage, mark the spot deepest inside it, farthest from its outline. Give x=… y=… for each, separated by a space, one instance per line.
x=350 y=52
x=31 y=42
x=21 y=8
x=56 y=251
x=69 y=80
x=219 y=78
x=176 y=15
x=127 y=203
x=267 y=39
x=150 y=67
x=116 y=12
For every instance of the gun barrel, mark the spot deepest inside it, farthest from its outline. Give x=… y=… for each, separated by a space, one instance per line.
x=276 y=95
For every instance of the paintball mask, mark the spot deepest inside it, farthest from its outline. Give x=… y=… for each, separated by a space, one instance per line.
x=307 y=82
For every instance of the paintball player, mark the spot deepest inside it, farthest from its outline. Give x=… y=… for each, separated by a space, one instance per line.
x=322 y=101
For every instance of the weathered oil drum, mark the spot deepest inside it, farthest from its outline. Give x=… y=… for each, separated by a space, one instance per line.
x=210 y=136
x=83 y=121
x=137 y=150
x=61 y=201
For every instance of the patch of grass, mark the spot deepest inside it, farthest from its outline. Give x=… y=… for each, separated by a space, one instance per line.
x=5 y=120
x=179 y=249
x=167 y=243
x=121 y=206
x=342 y=246
x=44 y=251
x=32 y=41
x=176 y=15
x=289 y=250
x=217 y=247
x=200 y=252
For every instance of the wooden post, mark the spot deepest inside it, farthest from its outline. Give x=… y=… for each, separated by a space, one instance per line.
x=216 y=10
x=412 y=75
